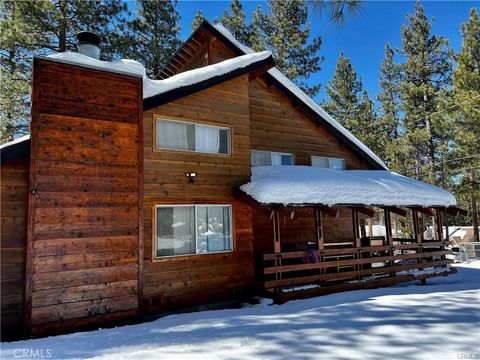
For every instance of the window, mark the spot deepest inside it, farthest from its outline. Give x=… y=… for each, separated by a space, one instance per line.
x=192 y=229
x=179 y=135
x=265 y=158
x=328 y=163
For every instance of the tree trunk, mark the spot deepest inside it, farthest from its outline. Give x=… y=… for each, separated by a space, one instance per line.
x=431 y=151
x=474 y=207
x=62 y=36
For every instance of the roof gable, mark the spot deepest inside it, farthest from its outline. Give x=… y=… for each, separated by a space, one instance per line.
x=287 y=87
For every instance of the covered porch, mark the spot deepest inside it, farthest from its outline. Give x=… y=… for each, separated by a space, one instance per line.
x=313 y=244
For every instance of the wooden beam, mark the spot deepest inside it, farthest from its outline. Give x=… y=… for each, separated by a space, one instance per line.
x=438 y=225
x=330 y=211
x=276 y=231
x=453 y=211
x=396 y=210
x=425 y=211
x=365 y=211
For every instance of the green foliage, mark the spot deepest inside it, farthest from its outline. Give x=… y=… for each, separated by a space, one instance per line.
x=350 y=105
x=43 y=27
x=336 y=9
x=236 y=24
x=284 y=31
x=197 y=20
x=152 y=35
x=466 y=112
x=425 y=72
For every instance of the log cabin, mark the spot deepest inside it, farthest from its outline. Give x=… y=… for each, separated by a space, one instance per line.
x=217 y=180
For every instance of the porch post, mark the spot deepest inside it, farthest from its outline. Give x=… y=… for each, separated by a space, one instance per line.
x=276 y=231
x=416 y=226
x=356 y=233
x=318 y=228
x=439 y=225
x=388 y=227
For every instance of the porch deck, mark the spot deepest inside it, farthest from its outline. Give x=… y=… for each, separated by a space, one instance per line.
x=293 y=275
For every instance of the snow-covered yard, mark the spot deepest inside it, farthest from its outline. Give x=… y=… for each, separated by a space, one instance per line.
x=437 y=321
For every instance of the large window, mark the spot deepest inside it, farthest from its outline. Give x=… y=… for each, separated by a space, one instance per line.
x=265 y=158
x=193 y=229
x=180 y=135
x=328 y=163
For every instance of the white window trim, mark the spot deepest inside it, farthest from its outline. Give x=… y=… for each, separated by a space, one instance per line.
x=328 y=159
x=195 y=125
x=195 y=219
x=276 y=153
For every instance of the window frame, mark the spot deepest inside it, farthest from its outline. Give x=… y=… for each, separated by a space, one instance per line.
x=271 y=156
x=156 y=118
x=328 y=160
x=154 y=233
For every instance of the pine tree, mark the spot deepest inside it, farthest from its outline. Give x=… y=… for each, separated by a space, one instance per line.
x=17 y=40
x=197 y=20
x=343 y=91
x=284 y=31
x=337 y=9
x=44 y=27
x=152 y=35
x=466 y=98
x=350 y=105
x=236 y=24
x=426 y=71
x=394 y=145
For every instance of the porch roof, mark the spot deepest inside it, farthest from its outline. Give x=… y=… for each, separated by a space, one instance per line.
x=307 y=185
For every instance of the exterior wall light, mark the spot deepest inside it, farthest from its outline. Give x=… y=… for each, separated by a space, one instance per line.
x=191 y=176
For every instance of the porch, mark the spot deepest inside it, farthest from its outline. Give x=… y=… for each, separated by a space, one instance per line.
x=308 y=249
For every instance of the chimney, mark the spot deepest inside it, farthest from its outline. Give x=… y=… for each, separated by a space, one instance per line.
x=89 y=44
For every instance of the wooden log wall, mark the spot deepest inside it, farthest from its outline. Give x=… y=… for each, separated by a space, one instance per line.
x=13 y=239
x=189 y=280
x=84 y=253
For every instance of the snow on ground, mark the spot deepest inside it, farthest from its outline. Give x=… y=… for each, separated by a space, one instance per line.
x=297 y=184
x=409 y=321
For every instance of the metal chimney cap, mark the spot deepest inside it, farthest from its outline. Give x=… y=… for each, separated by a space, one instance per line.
x=88 y=37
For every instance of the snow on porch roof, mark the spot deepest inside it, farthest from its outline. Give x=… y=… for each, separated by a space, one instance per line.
x=302 y=185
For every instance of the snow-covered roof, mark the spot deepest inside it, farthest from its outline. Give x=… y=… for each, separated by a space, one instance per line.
x=158 y=87
x=300 y=185
x=304 y=97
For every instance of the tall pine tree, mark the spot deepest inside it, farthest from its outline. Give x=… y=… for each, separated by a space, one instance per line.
x=152 y=35
x=390 y=136
x=466 y=98
x=350 y=105
x=426 y=71
x=44 y=27
x=236 y=23
x=284 y=31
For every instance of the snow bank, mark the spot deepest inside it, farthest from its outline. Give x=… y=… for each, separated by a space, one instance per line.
x=408 y=321
x=157 y=87
x=312 y=185
x=304 y=97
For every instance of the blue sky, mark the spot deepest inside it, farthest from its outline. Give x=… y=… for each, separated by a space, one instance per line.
x=363 y=36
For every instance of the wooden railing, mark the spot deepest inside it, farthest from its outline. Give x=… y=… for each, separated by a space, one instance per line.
x=334 y=265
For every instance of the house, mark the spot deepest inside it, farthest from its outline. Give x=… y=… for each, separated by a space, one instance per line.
x=220 y=179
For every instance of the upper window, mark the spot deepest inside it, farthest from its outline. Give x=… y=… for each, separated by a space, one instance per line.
x=180 y=135
x=192 y=229
x=328 y=163
x=265 y=158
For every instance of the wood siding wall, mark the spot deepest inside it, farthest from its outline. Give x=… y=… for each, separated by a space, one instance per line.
x=187 y=280
x=86 y=167
x=14 y=209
